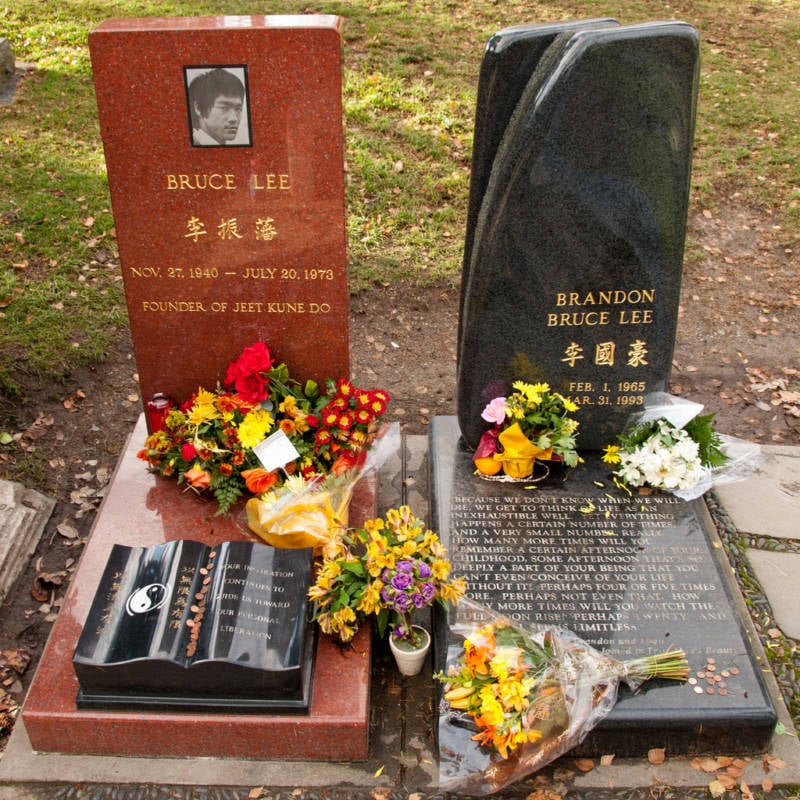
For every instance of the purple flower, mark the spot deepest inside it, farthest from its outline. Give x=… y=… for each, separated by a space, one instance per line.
x=418 y=600
x=428 y=591
x=405 y=566
x=401 y=581
x=401 y=604
x=423 y=569
x=399 y=631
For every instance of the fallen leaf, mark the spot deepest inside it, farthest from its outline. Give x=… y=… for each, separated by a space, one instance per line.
x=735 y=772
x=706 y=764
x=67 y=531
x=39 y=427
x=716 y=789
x=543 y=794
x=256 y=792
x=747 y=792
x=607 y=760
x=584 y=764
x=378 y=772
x=16 y=658
x=44 y=584
x=767 y=785
x=656 y=755
x=773 y=762
x=728 y=781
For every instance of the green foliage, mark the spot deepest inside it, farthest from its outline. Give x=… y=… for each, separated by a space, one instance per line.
x=410 y=80
x=702 y=430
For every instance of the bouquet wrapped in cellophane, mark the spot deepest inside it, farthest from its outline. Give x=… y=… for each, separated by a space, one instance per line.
x=514 y=700
x=314 y=512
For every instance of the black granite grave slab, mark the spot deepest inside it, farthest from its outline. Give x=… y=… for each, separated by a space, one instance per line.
x=631 y=575
x=574 y=276
x=187 y=625
x=511 y=57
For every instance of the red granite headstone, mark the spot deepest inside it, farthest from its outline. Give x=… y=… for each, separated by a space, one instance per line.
x=224 y=148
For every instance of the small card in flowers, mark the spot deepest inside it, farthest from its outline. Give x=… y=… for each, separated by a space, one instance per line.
x=275 y=451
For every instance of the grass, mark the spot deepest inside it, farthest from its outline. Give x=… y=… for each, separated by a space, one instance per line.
x=410 y=82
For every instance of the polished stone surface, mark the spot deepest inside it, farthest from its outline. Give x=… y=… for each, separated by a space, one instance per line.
x=511 y=57
x=222 y=246
x=140 y=510
x=577 y=252
x=631 y=575
x=186 y=625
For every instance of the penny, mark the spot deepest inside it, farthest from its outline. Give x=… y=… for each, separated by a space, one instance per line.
x=692 y=681
x=723 y=691
x=734 y=670
x=212 y=554
x=725 y=673
x=710 y=667
x=190 y=623
x=710 y=690
x=198 y=596
x=203 y=571
x=206 y=581
x=194 y=609
x=701 y=674
x=698 y=689
x=711 y=660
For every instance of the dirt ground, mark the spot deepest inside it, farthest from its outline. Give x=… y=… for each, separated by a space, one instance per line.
x=738 y=352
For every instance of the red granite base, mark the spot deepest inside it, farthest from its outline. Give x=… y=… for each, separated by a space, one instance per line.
x=140 y=510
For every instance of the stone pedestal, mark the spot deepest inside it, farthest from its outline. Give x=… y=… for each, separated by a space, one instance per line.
x=140 y=510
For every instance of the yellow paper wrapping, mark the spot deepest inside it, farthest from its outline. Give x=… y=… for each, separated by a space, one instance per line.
x=314 y=517
x=519 y=452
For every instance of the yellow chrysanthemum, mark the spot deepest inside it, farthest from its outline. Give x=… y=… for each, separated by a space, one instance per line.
x=491 y=712
x=204 y=408
x=513 y=694
x=288 y=405
x=254 y=428
x=611 y=454
x=569 y=405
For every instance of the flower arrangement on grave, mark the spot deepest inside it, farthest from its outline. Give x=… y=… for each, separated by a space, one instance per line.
x=529 y=424
x=662 y=455
x=387 y=569
x=514 y=700
x=208 y=442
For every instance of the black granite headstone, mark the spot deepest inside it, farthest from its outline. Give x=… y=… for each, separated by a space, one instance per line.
x=511 y=56
x=576 y=257
x=631 y=575
x=185 y=625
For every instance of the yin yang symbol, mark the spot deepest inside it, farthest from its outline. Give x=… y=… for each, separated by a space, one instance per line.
x=146 y=598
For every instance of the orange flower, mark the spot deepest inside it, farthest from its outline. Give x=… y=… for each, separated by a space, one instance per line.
x=197 y=478
x=258 y=480
x=287 y=426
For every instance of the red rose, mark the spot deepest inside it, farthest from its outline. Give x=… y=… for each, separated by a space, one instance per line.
x=188 y=451
x=248 y=374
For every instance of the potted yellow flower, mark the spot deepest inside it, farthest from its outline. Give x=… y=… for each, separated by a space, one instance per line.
x=531 y=423
x=387 y=569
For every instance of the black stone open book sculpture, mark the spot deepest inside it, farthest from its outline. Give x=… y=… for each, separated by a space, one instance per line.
x=187 y=625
